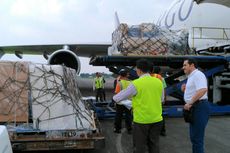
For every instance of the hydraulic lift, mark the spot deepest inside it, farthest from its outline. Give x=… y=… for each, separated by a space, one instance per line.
x=216 y=69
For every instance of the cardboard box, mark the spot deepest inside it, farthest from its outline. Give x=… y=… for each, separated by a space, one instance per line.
x=13 y=92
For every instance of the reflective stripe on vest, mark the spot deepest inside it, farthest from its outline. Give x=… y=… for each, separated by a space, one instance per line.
x=146 y=103
x=98 y=82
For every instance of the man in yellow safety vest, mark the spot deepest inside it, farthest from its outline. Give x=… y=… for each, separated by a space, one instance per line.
x=122 y=84
x=98 y=85
x=146 y=93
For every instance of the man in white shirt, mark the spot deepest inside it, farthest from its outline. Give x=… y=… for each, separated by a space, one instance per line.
x=195 y=94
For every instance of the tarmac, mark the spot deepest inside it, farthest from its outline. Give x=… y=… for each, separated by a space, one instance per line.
x=217 y=137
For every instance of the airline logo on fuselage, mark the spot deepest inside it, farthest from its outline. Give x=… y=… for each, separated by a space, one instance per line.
x=180 y=10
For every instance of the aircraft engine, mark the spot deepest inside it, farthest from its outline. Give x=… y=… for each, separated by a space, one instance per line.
x=65 y=57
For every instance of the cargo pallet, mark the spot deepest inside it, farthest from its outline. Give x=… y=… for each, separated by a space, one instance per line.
x=34 y=140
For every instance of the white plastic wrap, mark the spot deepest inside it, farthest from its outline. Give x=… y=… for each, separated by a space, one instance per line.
x=148 y=39
x=55 y=98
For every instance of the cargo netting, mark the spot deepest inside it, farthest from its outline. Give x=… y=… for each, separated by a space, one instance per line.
x=42 y=97
x=148 y=39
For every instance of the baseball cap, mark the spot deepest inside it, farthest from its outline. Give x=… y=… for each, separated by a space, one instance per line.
x=123 y=72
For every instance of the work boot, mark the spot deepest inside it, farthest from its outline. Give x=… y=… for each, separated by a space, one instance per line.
x=129 y=130
x=163 y=133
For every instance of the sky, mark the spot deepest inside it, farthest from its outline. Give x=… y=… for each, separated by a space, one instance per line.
x=25 y=22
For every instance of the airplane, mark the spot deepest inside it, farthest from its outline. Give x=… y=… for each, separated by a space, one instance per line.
x=206 y=21
x=181 y=14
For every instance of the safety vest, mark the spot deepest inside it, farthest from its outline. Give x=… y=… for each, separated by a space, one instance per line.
x=124 y=84
x=99 y=83
x=146 y=103
x=159 y=77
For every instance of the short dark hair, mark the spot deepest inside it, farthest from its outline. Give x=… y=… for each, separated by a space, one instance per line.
x=143 y=65
x=156 y=69
x=192 y=61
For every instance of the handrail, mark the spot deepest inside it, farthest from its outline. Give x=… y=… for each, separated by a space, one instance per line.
x=221 y=33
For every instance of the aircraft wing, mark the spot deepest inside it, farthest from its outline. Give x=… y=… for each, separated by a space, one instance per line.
x=84 y=50
x=221 y=2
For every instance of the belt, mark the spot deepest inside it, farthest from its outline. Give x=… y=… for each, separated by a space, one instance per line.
x=201 y=100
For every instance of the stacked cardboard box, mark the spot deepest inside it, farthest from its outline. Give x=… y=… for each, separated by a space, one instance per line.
x=13 y=91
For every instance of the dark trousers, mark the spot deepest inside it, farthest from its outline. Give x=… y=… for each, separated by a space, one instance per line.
x=197 y=127
x=120 y=109
x=146 y=136
x=103 y=94
x=99 y=94
x=163 y=129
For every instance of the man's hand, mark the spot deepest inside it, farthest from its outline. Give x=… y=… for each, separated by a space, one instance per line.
x=112 y=103
x=187 y=106
x=183 y=86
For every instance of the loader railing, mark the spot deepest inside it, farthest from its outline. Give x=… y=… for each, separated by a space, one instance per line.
x=213 y=33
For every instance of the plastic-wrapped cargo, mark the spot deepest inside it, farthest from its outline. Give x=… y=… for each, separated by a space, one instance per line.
x=42 y=108
x=56 y=100
x=5 y=146
x=148 y=39
x=46 y=95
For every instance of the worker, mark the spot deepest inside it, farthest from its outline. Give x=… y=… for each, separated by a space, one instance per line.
x=98 y=84
x=112 y=103
x=115 y=82
x=146 y=92
x=122 y=84
x=195 y=95
x=156 y=72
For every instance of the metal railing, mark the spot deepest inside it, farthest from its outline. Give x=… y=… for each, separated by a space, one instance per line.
x=213 y=33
